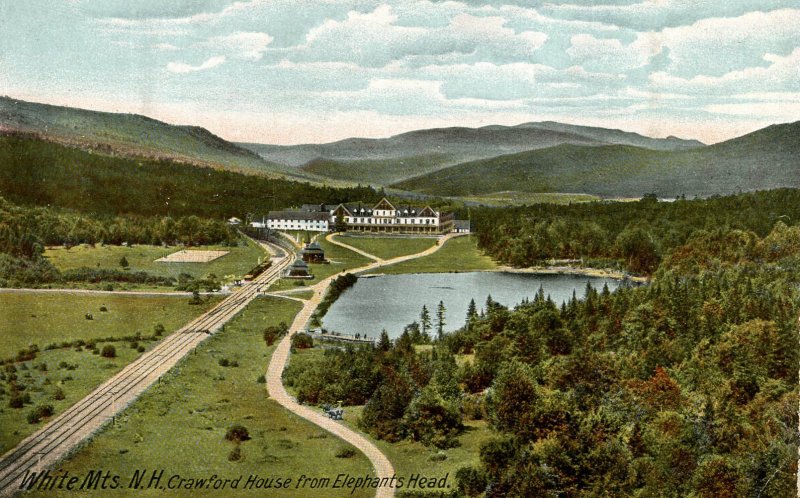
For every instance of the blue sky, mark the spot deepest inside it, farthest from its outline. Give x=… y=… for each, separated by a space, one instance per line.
x=288 y=71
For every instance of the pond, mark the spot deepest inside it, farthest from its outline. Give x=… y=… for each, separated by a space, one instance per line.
x=393 y=301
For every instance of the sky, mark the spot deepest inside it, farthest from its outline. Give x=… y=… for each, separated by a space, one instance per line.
x=296 y=71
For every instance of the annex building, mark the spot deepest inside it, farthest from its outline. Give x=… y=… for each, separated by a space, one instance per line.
x=383 y=217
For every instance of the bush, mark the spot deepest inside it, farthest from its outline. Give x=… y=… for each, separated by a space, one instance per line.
x=17 y=400
x=261 y=379
x=108 y=351
x=103 y=308
x=89 y=316
x=159 y=329
x=302 y=341
x=58 y=395
x=140 y=349
x=237 y=433
x=470 y=481
x=223 y=362
x=346 y=452
x=236 y=454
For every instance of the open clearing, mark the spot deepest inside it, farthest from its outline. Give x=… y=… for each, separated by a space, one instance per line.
x=388 y=247
x=46 y=318
x=238 y=262
x=55 y=322
x=192 y=256
x=458 y=254
x=179 y=425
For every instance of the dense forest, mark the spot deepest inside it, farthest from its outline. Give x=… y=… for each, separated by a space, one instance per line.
x=25 y=231
x=686 y=386
x=634 y=236
x=34 y=172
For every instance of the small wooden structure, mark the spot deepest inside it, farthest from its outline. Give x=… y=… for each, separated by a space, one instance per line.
x=313 y=253
x=299 y=269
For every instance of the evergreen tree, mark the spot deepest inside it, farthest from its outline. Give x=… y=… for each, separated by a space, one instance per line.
x=440 y=320
x=425 y=320
x=472 y=310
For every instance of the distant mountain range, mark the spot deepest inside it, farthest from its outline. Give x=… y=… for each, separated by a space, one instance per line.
x=130 y=135
x=389 y=160
x=545 y=157
x=765 y=159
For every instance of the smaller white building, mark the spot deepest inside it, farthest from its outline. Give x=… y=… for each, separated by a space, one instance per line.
x=297 y=220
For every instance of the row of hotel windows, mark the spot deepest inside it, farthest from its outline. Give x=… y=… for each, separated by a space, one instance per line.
x=396 y=221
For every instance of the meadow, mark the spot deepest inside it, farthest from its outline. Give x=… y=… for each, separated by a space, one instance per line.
x=388 y=247
x=457 y=255
x=238 y=262
x=65 y=365
x=180 y=424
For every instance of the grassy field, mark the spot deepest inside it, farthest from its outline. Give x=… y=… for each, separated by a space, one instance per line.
x=339 y=259
x=458 y=254
x=388 y=247
x=73 y=371
x=179 y=425
x=45 y=318
x=512 y=198
x=238 y=261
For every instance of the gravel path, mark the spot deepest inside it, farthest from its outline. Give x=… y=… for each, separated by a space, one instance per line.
x=382 y=466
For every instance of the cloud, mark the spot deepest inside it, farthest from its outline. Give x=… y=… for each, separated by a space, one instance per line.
x=606 y=53
x=242 y=44
x=781 y=73
x=180 y=67
x=376 y=38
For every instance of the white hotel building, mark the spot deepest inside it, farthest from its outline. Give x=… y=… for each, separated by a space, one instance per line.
x=384 y=217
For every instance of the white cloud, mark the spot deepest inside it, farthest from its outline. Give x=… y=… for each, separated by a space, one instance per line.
x=180 y=67
x=243 y=44
x=782 y=73
x=595 y=52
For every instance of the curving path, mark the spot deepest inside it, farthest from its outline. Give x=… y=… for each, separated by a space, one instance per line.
x=382 y=466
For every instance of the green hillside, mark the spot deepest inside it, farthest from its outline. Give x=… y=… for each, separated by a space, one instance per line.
x=377 y=171
x=768 y=158
x=389 y=160
x=37 y=172
x=129 y=135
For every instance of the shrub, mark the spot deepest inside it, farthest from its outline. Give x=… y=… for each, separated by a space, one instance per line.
x=89 y=316
x=346 y=452
x=33 y=418
x=140 y=349
x=237 y=433
x=134 y=345
x=103 y=308
x=235 y=455
x=108 y=351
x=223 y=362
x=302 y=341
x=159 y=329
x=261 y=379
x=16 y=400
x=58 y=395
x=470 y=481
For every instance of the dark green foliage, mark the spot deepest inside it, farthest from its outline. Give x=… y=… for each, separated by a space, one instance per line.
x=346 y=452
x=237 y=433
x=34 y=172
x=336 y=288
x=636 y=235
x=302 y=341
x=123 y=262
x=108 y=351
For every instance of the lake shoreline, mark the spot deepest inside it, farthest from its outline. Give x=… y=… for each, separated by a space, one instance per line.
x=542 y=270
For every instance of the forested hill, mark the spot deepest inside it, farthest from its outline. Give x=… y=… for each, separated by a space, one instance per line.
x=766 y=159
x=41 y=173
x=128 y=135
x=414 y=153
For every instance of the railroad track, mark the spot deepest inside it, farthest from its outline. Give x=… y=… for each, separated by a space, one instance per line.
x=52 y=442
